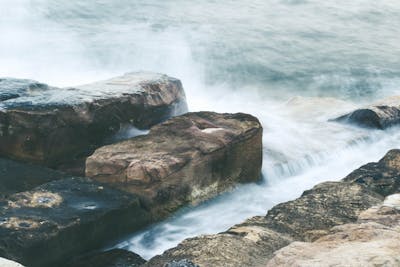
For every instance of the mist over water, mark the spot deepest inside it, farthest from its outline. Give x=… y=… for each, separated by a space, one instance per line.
x=292 y=63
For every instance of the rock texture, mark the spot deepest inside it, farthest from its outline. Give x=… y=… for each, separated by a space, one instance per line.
x=17 y=177
x=188 y=158
x=48 y=125
x=65 y=218
x=374 y=240
x=379 y=116
x=382 y=177
x=307 y=219
x=110 y=258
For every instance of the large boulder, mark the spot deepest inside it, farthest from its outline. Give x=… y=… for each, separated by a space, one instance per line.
x=379 y=116
x=374 y=240
x=306 y=219
x=50 y=126
x=17 y=177
x=188 y=158
x=64 y=218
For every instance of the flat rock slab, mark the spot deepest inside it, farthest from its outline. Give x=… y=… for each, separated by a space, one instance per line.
x=186 y=159
x=17 y=177
x=378 y=116
x=65 y=218
x=49 y=125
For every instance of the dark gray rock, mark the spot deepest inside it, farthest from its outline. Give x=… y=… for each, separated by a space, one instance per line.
x=64 y=218
x=382 y=177
x=51 y=126
x=110 y=258
x=17 y=177
x=377 y=117
x=181 y=263
x=319 y=209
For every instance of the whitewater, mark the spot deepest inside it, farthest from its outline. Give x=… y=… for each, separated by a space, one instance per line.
x=294 y=64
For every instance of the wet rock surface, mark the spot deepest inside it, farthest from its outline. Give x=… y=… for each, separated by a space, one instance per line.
x=111 y=258
x=380 y=116
x=65 y=218
x=307 y=219
x=17 y=177
x=48 y=125
x=186 y=159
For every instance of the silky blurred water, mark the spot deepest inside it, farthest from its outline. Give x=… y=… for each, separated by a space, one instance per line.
x=292 y=63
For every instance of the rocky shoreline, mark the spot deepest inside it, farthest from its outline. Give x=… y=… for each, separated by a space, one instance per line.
x=67 y=187
x=293 y=233
x=129 y=184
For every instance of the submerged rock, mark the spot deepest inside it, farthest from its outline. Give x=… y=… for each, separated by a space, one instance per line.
x=379 y=116
x=306 y=219
x=110 y=258
x=188 y=158
x=64 y=218
x=17 y=177
x=48 y=125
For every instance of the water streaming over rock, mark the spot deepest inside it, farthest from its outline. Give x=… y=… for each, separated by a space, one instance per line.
x=292 y=63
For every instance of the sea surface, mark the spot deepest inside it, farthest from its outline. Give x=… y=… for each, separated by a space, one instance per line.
x=294 y=64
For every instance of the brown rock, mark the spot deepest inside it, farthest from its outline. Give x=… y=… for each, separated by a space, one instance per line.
x=308 y=218
x=240 y=246
x=51 y=126
x=185 y=159
x=253 y=242
x=373 y=241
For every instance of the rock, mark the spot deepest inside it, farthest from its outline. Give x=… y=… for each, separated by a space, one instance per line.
x=110 y=258
x=373 y=241
x=241 y=246
x=379 y=116
x=253 y=242
x=18 y=177
x=8 y=263
x=382 y=177
x=186 y=159
x=317 y=210
x=308 y=218
x=181 y=263
x=64 y=218
x=51 y=126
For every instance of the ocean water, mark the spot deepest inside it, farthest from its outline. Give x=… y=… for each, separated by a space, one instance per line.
x=294 y=64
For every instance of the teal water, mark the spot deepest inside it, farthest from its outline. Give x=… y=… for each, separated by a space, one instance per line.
x=292 y=63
